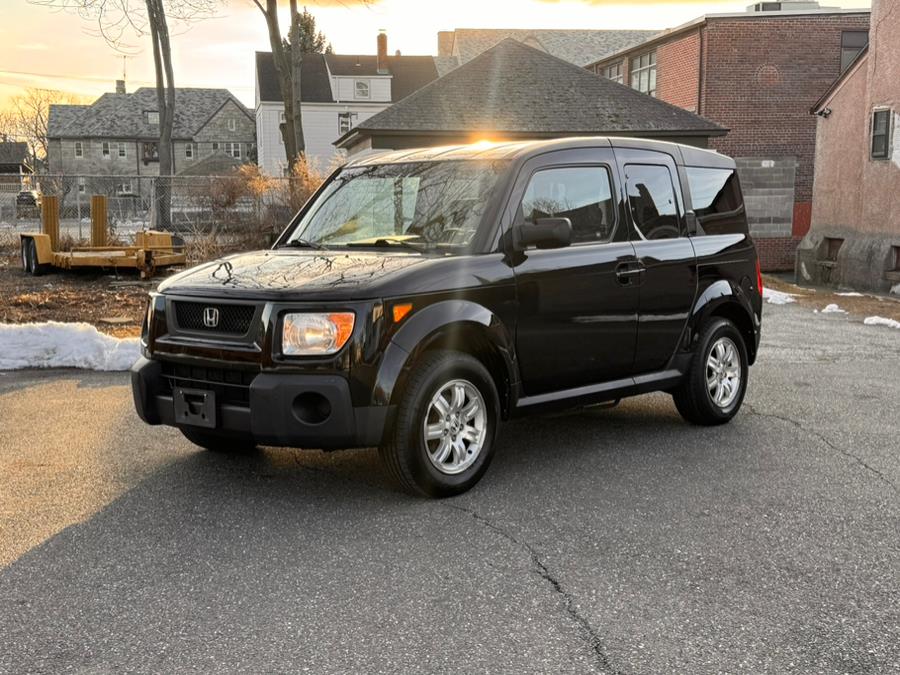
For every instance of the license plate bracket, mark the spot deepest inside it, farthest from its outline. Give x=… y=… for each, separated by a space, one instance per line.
x=196 y=407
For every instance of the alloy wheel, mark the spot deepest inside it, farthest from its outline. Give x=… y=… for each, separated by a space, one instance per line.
x=455 y=426
x=723 y=372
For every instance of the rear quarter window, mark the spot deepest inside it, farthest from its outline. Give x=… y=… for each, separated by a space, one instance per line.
x=717 y=200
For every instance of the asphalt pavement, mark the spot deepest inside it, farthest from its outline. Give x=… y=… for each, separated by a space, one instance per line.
x=619 y=540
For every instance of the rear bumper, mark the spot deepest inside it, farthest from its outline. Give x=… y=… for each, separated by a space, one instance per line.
x=277 y=413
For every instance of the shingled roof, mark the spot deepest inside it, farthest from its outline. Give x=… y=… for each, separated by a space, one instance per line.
x=578 y=46
x=13 y=153
x=124 y=115
x=409 y=73
x=516 y=89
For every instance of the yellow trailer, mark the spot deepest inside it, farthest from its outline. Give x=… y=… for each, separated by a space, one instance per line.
x=151 y=250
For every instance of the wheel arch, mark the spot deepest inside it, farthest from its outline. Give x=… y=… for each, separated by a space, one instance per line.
x=726 y=300
x=455 y=325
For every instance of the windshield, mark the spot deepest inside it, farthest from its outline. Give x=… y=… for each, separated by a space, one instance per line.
x=421 y=205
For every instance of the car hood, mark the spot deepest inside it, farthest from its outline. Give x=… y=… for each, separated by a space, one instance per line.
x=309 y=274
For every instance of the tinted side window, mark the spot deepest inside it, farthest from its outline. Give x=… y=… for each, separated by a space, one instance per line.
x=582 y=194
x=651 y=199
x=717 y=201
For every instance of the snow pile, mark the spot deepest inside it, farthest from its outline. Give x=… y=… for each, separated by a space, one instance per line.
x=833 y=309
x=881 y=321
x=851 y=294
x=64 y=345
x=774 y=297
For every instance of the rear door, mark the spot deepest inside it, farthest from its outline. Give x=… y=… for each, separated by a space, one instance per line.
x=667 y=264
x=577 y=314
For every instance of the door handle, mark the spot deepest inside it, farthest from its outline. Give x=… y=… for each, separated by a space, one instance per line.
x=626 y=271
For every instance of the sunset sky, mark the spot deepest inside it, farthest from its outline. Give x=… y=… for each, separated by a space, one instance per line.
x=40 y=47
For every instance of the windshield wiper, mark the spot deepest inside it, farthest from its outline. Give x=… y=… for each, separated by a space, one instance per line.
x=302 y=243
x=384 y=242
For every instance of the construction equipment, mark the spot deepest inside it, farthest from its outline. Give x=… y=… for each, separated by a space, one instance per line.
x=151 y=249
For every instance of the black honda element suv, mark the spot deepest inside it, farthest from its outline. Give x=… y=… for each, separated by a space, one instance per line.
x=422 y=296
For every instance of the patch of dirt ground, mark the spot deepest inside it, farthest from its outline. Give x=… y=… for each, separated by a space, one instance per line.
x=857 y=306
x=113 y=304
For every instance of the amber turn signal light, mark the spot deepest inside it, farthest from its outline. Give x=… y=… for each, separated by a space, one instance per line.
x=400 y=311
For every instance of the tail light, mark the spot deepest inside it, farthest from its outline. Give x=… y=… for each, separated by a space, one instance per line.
x=759 y=283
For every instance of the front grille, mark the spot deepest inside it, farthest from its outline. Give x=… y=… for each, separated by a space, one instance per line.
x=231 y=319
x=230 y=386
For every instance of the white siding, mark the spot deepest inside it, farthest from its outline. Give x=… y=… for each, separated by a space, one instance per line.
x=320 y=130
x=269 y=147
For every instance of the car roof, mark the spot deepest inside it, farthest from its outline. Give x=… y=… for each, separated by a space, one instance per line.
x=507 y=150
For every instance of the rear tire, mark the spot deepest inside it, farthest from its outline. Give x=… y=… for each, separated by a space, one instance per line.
x=219 y=442
x=442 y=440
x=34 y=266
x=713 y=388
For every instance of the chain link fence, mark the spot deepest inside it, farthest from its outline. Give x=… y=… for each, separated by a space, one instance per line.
x=245 y=209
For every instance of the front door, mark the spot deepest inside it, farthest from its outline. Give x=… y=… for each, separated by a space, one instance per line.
x=577 y=306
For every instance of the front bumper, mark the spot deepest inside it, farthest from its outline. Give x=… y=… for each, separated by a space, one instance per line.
x=277 y=412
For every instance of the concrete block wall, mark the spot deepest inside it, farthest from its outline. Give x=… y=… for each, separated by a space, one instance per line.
x=768 y=186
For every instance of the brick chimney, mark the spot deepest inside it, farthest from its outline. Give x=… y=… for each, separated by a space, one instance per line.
x=120 y=86
x=382 y=53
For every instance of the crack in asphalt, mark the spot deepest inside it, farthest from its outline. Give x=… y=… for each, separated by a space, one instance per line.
x=593 y=638
x=824 y=439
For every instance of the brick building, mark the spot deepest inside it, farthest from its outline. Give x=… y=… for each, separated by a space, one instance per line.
x=756 y=73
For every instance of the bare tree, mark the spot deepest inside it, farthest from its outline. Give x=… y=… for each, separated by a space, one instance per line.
x=26 y=116
x=114 y=20
x=287 y=55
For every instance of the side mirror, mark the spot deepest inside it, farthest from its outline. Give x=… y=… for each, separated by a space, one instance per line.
x=691 y=223
x=545 y=233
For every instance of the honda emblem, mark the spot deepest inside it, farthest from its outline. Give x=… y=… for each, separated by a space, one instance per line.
x=210 y=317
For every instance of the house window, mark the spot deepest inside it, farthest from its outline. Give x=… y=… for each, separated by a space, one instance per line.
x=361 y=89
x=79 y=149
x=281 y=118
x=614 y=72
x=81 y=186
x=215 y=145
x=231 y=124
x=189 y=151
x=643 y=73
x=150 y=152
x=852 y=42
x=123 y=150
x=124 y=188
x=881 y=134
x=345 y=122
x=104 y=149
x=233 y=150
x=153 y=118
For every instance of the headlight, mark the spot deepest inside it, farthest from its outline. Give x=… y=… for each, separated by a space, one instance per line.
x=312 y=334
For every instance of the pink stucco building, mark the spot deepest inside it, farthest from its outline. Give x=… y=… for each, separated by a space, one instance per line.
x=854 y=239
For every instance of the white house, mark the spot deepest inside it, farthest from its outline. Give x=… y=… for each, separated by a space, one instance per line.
x=338 y=92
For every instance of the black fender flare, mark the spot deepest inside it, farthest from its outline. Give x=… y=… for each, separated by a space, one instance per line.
x=435 y=322
x=732 y=298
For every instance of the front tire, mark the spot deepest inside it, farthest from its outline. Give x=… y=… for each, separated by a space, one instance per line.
x=219 y=442
x=442 y=440
x=714 y=386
